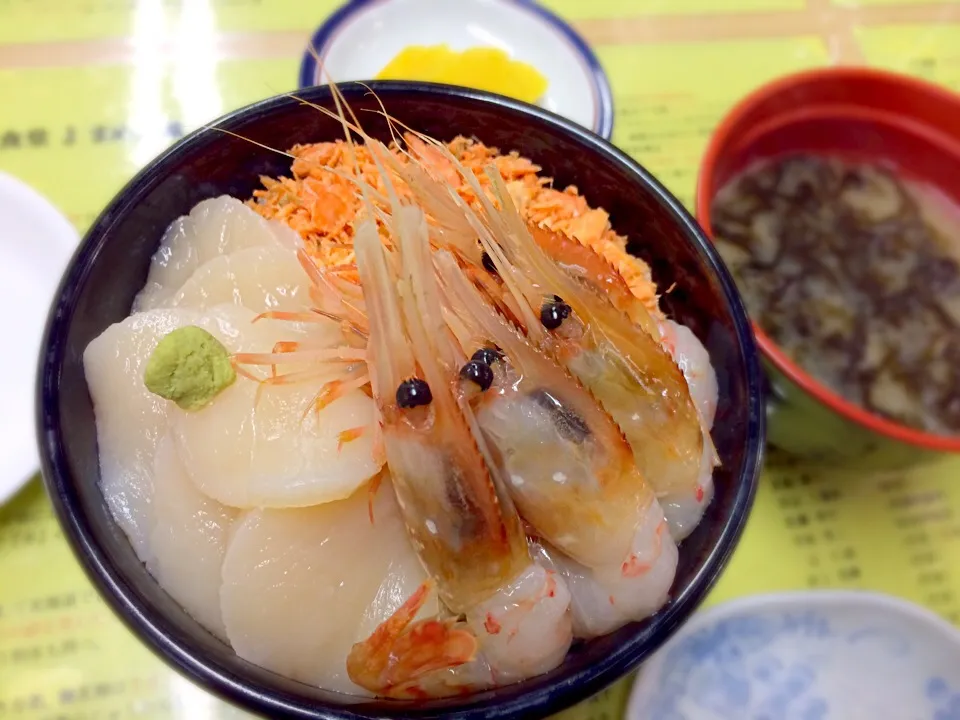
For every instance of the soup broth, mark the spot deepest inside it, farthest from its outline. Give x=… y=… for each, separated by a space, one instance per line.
x=854 y=273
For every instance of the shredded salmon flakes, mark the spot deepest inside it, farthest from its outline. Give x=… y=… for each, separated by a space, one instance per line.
x=321 y=203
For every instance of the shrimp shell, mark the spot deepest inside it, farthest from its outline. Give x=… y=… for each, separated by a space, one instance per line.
x=451 y=506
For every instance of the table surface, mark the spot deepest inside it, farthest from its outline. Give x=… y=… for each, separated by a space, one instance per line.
x=92 y=89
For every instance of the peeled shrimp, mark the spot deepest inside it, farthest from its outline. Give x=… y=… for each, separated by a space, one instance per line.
x=300 y=587
x=608 y=597
x=567 y=465
x=694 y=362
x=188 y=539
x=568 y=468
x=692 y=358
x=214 y=227
x=464 y=527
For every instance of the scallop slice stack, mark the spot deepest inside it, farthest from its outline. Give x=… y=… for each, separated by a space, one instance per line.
x=252 y=513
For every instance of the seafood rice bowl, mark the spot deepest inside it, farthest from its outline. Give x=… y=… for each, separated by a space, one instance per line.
x=385 y=416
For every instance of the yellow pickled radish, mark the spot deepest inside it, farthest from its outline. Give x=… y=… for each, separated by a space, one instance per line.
x=482 y=68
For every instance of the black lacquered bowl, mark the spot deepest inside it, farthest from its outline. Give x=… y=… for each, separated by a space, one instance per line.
x=111 y=266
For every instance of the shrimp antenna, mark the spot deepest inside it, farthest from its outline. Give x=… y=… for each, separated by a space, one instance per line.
x=340 y=101
x=352 y=326
x=335 y=89
x=402 y=148
x=373 y=145
x=216 y=128
x=329 y=113
x=423 y=136
x=390 y=119
x=518 y=285
x=446 y=207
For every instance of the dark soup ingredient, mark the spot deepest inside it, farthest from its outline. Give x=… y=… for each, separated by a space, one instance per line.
x=841 y=267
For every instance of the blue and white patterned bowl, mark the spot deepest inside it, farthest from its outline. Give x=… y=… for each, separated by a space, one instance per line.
x=819 y=655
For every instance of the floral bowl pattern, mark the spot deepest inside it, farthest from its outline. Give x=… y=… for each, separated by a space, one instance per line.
x=821 y=655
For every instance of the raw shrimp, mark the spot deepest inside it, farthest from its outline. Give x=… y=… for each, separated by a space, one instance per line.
x=694 y=362
x=464 y=528
x=631 y=374
x=566 y=464
x=626 y=369
x=608 y=597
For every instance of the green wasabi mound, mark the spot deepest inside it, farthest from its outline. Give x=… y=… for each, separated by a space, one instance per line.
x=189 y=366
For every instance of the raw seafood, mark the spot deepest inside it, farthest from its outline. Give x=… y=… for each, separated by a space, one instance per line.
x=421 y=579
x=568 y=468
x=188 y=539
x=295 y=598
x=259 y=278
x=213 y=228
x=465 y=529
x=270 y=449
x=130 y=419
x=629 y=372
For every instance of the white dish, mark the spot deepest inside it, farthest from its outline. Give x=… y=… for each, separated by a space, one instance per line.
x=361 y=37
x=820 y=655
x=36 y=241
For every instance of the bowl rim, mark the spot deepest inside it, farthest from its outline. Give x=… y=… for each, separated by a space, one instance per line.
x=604 y=118
x=821 y=599
x=723 y=138
x=181 y=653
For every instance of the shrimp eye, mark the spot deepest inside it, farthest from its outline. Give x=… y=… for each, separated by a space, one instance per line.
x=487 y=355
x=554 y=312
x=478 y=373
x=488 y=265
x=413 y=393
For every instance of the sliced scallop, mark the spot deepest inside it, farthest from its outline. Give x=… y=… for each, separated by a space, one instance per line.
x=267 y=447
x=188 y=540
x=214 y=227
x=300 y=587
x=130 y=419
x=259 y=278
